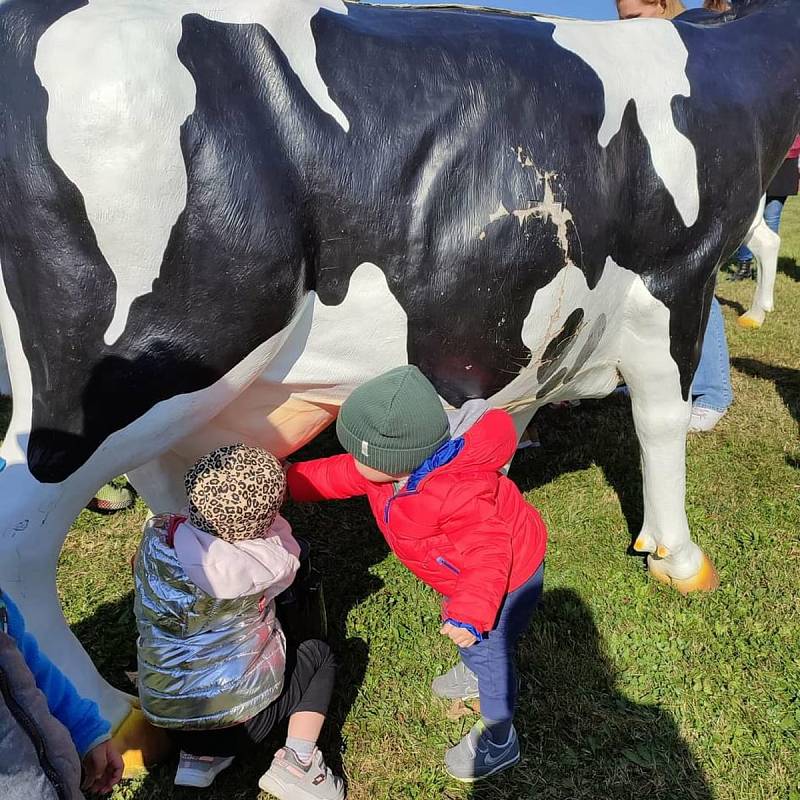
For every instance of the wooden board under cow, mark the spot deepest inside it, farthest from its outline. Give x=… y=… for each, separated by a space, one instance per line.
x=217 y=218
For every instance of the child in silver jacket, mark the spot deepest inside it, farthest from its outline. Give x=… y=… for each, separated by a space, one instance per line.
x=213 y=661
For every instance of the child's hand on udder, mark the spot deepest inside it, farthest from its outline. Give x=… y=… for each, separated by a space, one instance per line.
x=459 y=636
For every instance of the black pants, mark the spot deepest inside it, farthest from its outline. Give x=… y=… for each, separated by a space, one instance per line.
x=307 y=686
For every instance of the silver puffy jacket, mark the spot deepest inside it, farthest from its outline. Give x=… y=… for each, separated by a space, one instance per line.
x=203 y=662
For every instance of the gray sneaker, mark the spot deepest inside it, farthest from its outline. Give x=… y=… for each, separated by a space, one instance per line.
x=289 y=779
x=476 y=757
x=459 y=683
x=199 y=771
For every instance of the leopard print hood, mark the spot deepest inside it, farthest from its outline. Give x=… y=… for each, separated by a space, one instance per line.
x=235 y=492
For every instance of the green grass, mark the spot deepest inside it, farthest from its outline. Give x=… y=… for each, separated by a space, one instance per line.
x=628 y=689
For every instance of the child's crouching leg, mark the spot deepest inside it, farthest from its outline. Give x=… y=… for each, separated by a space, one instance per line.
x=307 y=689
x=299 y=768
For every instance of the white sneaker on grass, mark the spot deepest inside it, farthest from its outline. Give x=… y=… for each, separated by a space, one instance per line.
x=199 y=771
x=289 y=779
x=704 y=419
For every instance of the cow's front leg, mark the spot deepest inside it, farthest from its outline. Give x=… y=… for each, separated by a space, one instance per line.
x=661 y=417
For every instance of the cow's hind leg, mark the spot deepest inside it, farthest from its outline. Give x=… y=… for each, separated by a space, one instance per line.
x=661 y=417
x=765 y=245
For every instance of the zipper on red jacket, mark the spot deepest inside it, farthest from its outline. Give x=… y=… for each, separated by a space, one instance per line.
x=391 y=500
x=443 y=562
x=401 y=493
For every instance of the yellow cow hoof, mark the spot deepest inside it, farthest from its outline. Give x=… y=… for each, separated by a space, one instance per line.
x=141 y=744
x=705 y=580
x=746 y=321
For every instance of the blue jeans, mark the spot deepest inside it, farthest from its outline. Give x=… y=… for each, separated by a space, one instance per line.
x=493 y=659
x=712 y=381
x=772 y=216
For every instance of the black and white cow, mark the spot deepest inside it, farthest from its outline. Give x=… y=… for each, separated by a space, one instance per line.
x=218 y=217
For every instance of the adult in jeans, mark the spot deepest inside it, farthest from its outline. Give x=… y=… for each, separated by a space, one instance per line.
x=711 y=390
x=785 y=184
x=712 y=394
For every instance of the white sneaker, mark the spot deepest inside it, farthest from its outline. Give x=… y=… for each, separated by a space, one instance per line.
x=199 y=771
x=289 y=779
x=704 y=419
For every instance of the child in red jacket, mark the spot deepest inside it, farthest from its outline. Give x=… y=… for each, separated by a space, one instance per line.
x=452 y=517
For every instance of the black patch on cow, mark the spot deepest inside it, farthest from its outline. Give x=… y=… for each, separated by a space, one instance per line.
x=589 y=346
x=734 y=171
x=559 y=346
x=228 y=282
x=454 y=115
x=550 y=386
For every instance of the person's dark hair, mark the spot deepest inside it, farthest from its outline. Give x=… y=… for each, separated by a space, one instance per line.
x=717 y=5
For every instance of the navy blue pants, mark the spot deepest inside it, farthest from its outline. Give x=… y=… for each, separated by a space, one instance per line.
x=493 y=659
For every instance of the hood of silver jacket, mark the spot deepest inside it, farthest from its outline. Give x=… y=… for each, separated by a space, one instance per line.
x=203 y=662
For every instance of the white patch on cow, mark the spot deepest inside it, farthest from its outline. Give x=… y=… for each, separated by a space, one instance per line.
x=550 y=308
x=661 y=418
x=643 y=60
x=118 y=95
x=636 y=344
x=342 y=346
x=15 y=443
x=548 y=208
x=501 y=212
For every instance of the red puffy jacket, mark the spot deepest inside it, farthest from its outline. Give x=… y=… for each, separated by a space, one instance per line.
x=794 y=150
x=466 y=529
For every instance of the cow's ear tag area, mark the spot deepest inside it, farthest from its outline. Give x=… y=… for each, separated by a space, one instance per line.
x=2 y=464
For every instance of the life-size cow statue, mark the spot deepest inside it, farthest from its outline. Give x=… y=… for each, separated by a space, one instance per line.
x=217 y=218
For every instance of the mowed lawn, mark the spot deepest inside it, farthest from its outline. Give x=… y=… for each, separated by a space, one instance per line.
x=628 y=689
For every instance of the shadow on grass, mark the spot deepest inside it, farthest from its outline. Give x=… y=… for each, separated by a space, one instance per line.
x=595 y=432
x=787 y=383
x=581 y=738
x=786 y=380
x=790 y=268
x=737 y=307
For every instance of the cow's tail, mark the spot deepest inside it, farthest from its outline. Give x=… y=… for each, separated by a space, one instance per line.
x=764 y=244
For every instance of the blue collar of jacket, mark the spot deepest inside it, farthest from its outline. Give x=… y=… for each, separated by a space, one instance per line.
x=444 y=455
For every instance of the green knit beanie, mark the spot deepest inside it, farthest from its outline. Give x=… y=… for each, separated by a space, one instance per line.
x=393 y=422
